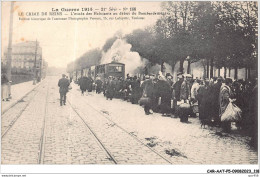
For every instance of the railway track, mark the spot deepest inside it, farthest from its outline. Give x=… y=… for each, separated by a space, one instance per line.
x=121 y=128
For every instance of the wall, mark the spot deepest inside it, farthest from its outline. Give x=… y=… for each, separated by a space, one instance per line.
x=19 y=78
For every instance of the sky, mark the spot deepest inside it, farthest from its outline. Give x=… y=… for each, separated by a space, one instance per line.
x=65 y=41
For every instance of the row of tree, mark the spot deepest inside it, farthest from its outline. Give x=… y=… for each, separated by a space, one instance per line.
x=88 y=59
x=224 y=34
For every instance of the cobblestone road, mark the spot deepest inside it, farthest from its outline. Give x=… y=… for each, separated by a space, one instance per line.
x=12 y=113
x=47 y=133
x=67 y=140
x=124 y=147
x=20 y=145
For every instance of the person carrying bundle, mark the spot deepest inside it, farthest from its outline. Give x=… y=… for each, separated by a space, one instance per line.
x=228 y=111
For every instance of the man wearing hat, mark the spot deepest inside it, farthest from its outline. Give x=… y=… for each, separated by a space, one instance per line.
x=64 y=85
x=185 y=88
x=176 y=92
x=98 y=83
x=148 y=97
x=169 y=79
x=110 y=88
x=177 y=87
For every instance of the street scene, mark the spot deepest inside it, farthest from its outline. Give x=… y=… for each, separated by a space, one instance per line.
x=90 y=129
x=176 y=88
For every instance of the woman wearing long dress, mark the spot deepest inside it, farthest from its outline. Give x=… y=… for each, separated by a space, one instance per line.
x=224 y=99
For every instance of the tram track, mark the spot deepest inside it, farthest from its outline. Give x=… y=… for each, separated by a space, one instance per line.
x=42 y=139
x=19 y=113
x=11 y=106
x=39 y=149
x=121 y=128
x=111 y=157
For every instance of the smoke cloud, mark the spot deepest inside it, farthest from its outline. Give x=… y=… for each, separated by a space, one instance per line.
x=121 y=52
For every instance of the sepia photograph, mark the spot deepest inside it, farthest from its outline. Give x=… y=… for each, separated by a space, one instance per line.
x=130 y=83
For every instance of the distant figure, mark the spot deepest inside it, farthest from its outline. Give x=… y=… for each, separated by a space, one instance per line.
x=204 y=102
x=126 y=87
x=163 y=95
x=136 y=90
x=176 y=90
x=83 y=82
x=215 y=100
x=194 y=90
x=90 y=84
x=110 y=92
x=63 y=84
x=4 y=86
x=185 y=89
x=177 y=87
x=148 y=94
x=98 y=85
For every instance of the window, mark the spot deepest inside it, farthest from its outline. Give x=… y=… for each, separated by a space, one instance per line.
x=115 y=69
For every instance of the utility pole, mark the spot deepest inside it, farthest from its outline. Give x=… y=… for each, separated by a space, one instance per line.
x=9 y=50
x=34 y=78
x=41 y=61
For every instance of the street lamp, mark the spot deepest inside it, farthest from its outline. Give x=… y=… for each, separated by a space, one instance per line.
x=9 y=51
x=40 y=75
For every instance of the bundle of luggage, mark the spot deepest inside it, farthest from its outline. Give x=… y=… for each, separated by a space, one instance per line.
x=232 y=113
x=183 y=109
x=195 y=107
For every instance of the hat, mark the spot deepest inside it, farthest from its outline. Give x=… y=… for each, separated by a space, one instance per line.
x=179 y=76
x=228 y=80
x=168 y=74
x=219 y=78
x=179 y=73
x=188 y=75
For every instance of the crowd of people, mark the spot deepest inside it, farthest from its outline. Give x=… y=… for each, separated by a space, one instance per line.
x=187 y=97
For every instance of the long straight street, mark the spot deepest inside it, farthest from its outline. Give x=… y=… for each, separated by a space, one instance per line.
x=92 y=130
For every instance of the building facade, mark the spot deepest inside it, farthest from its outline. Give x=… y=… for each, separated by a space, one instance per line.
x=23 y=57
